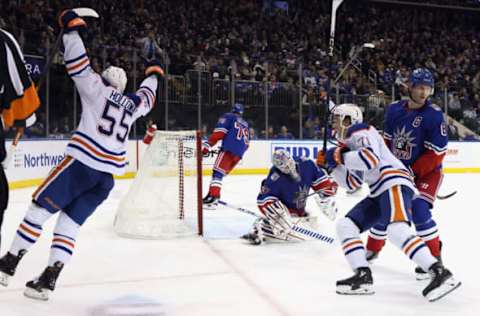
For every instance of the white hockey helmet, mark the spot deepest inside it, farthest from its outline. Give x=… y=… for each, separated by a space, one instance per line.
x=116 y=77
x=340 y=112
x=283 y=161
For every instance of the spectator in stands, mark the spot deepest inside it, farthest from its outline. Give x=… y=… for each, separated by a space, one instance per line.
x=271 y=133
x=452 y=130
x=284 y=133
x=454 y=105
x=252 y=135
x=260 y=46
x=470 y=137
x=150 y=48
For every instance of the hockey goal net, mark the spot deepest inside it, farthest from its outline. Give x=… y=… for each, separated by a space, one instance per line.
x=165 y=198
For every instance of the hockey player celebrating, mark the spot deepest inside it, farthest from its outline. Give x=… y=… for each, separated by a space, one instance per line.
x=233 y=131
x=416 y=134
x=284 y=193
x=389 y=203
x=83 y=179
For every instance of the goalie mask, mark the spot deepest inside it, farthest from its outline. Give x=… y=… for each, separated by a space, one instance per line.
x=344 y=116
x=285 y=163
x=116 y=77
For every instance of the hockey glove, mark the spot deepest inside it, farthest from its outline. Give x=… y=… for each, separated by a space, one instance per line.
x=206 y=148
x=147 y=139
x=327 y=206
x=70 y=21
x=334 y=157
x=321 y=159
x=154 y=67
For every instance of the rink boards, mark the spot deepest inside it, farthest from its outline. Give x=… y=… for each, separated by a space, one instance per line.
x=33 y=159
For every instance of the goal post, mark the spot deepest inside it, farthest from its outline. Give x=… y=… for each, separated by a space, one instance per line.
x=165 y=198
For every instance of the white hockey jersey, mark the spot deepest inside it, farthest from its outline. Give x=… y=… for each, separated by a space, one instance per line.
x=369 y=160
x=107 y=115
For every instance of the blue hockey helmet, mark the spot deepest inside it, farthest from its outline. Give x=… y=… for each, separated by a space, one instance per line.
x=238 y=108
x=422 y=76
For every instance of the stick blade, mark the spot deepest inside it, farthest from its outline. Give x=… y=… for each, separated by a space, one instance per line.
x=444 y=197
x=86 y=12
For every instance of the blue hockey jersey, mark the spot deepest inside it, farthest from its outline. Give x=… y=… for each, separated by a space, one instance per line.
x=234 y=132
x=279 y=186
x=409 y=133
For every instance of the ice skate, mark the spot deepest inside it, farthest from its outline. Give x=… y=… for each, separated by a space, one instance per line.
x=442 y=283
x=40 y=288
x=8 y=265
x=359 y=284
x=210 y=202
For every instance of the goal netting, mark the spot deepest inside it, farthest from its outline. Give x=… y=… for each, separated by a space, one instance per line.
x=165 y=198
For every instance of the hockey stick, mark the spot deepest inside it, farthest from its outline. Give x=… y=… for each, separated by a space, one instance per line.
x=295 y=228
x=83 y=12
x=446 y=196
x=13 y=147
x=331 y=47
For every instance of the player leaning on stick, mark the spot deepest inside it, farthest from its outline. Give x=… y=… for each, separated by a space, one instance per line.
x=389 y=203
x=284 y=193
x=416 y=133
x=84 y=178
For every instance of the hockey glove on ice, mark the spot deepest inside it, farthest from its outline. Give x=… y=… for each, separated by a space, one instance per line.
x=327 y=206
x=70 y=21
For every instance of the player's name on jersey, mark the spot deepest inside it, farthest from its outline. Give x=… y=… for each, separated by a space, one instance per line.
x=123 y=101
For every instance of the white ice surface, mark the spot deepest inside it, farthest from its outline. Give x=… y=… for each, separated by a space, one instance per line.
x=221 y=275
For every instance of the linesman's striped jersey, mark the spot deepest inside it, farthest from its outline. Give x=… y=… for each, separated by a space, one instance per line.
x=107 y=115
x=369 y=160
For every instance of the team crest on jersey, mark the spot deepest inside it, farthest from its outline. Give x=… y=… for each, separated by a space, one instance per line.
x=417 y=121
x=403 y=143
x=300 y=198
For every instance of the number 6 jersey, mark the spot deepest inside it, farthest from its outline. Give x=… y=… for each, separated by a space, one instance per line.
x=107 y=115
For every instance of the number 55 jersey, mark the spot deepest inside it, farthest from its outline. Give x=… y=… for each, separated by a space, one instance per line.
x=107 y=114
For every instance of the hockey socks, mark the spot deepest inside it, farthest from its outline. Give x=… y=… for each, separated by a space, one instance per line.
x=401 y=236
x=63 y=242
x=216 y=184
x=30 y=229
x=352 y=246
x=376 y=239
x=429 y=233
x=27 y=234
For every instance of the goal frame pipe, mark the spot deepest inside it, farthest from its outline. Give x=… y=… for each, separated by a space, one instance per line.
x=199 y=182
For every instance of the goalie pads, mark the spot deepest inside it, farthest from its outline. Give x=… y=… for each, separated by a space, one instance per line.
x=278 y=223
x=327 y=206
